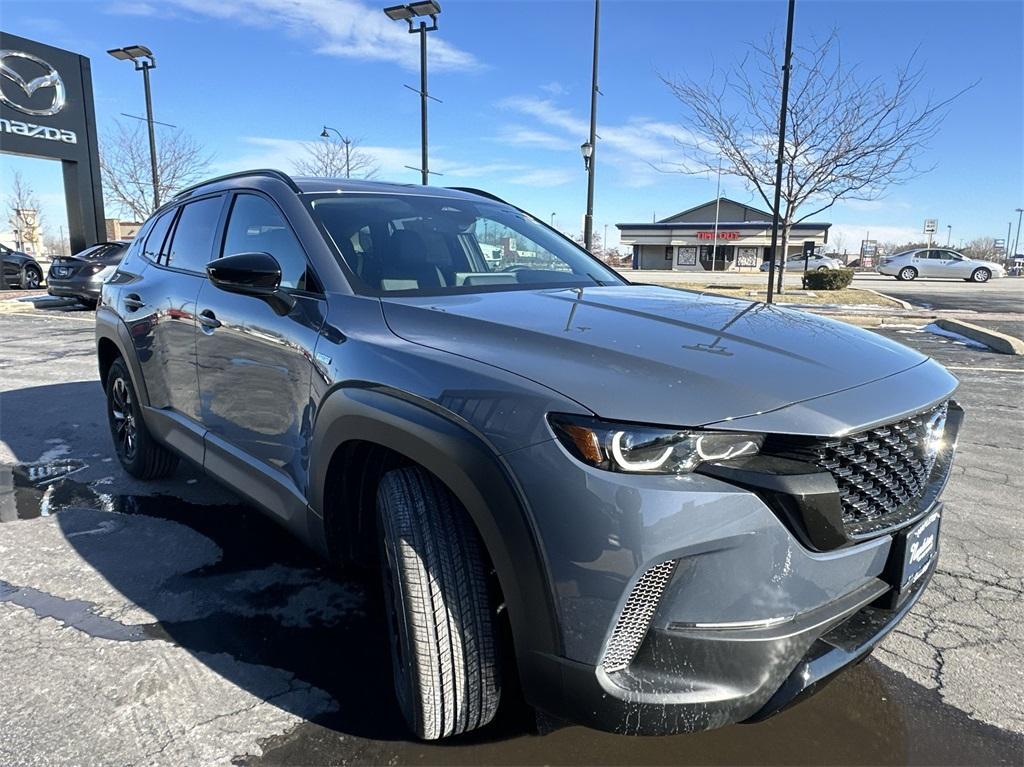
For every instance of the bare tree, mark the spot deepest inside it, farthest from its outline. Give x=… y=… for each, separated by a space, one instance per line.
x=127 y=175
x=336 y=158
x=56 y=244
x=983 y=248
x=24 y=215
x=847 y=137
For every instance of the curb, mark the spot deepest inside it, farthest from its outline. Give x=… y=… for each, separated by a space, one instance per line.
x=1000 y=342
x=903 y=304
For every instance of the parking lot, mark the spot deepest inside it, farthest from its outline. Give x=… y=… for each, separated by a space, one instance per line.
x=166 y=623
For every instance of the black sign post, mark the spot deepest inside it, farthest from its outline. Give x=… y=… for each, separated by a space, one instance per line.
x=808 y=252
x=46 y=110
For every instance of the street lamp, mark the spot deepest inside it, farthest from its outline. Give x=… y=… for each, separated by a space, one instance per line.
x=1016 y=240
x=949 y=233
x=588 y=147
x=344 y=140
x=407 y=13
x=144 y=61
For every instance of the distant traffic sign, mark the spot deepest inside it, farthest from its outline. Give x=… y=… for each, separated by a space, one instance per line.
x=931 y=225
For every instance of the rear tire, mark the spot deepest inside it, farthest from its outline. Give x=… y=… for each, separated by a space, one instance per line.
x=139 y=454
x=31 y=279
x=440 y=617
x=981 y=275
x=907 y=273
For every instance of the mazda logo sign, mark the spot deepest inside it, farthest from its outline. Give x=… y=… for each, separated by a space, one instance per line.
x=19 y=95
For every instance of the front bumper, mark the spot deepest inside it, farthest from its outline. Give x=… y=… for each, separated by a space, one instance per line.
x=686 y=683
x=748 y=619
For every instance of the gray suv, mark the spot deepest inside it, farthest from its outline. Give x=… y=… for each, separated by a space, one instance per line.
x=656 y=510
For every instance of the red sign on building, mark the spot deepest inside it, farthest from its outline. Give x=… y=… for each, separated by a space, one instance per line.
x=721 y=235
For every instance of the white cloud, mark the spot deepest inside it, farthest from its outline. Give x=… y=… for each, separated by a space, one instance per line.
x=554 y=88
x=521 y=136
x=848 y=236
x=345 y=28
x=544 y=177
x=636 y=148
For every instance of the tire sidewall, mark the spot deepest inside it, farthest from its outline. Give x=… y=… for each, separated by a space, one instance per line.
x=907 y=273
x=406 y=684
x=981 y=275
x=133 y=465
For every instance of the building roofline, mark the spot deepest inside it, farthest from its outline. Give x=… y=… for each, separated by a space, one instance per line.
x=701 y=205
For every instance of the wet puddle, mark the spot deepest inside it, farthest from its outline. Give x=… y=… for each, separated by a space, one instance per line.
x=227 y=584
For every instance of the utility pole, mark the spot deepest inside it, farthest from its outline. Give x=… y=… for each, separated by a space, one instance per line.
x=786 y=66
x=589 y=158
x=718 y=200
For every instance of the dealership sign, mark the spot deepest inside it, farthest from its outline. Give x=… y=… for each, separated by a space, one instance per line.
x=18 y=91
x=46 y=110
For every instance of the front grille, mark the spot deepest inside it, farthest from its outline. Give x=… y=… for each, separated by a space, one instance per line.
x=636 y=616
x=882 y=473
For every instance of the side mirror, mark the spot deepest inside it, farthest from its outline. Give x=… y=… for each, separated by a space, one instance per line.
x=251 y=274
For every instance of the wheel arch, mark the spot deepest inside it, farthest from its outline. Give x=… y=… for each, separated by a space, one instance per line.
x=471 y=470
x=112 y=341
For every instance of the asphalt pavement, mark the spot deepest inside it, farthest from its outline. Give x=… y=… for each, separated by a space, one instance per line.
x=167 y=623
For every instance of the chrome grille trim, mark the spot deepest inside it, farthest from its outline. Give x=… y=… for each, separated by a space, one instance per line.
x=635 y=618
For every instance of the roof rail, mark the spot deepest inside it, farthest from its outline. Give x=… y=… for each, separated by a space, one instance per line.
x=270 y=172
x=478 y=192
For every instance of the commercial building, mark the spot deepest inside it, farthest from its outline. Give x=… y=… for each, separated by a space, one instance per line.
x=722 y=235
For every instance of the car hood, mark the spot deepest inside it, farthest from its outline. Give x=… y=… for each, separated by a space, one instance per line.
x=650 y=354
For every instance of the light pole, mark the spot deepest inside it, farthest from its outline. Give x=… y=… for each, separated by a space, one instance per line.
x=407 y=13
x=1016 y=240
x=949 y=233
x=144 y=61
x=786 y=66
x=344 y=140
x=588 y=148
x=552 y=220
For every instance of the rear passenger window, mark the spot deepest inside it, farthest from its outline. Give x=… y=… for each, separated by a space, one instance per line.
x=257 y=226
x=192 y=241
x=153 y=249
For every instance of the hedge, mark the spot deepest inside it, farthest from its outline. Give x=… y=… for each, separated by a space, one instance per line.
x=828 y=279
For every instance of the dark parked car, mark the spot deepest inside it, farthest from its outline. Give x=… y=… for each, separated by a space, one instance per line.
x=662 y=511
x=19 y=270
x=81 y=276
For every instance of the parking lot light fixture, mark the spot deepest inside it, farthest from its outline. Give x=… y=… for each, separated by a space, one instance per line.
x=144 y=60
x=587 y=150
x=348 y=147
x=408 y=13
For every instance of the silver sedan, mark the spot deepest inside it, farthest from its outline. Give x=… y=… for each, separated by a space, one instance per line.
x=938 y=262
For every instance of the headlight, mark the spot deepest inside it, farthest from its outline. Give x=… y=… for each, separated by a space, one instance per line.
x=649 y=449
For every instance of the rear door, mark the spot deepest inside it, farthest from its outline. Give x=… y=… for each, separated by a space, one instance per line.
x=160 y=311
x=255 y=365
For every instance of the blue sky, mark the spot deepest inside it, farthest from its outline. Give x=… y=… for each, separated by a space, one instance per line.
x=253 y=79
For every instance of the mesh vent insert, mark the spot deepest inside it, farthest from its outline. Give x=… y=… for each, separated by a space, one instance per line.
x=636 y=616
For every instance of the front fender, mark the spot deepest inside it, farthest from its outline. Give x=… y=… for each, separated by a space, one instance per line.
x=476 y=475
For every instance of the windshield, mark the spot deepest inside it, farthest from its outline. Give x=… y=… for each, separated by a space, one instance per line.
x=417 y=245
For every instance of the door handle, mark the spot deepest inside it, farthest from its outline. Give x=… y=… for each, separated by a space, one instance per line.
x=132 y=302
x=209 y=320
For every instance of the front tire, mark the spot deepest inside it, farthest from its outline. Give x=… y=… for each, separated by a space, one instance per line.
x=440 y=617
x=139 y=454
x=31 y=278
x=981 y=275
x=906 y=274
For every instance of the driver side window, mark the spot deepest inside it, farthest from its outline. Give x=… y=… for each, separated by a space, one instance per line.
x=257 y=226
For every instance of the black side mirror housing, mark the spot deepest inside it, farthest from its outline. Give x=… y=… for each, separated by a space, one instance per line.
x=251 y=274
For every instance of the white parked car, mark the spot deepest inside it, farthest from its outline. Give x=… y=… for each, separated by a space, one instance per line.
x=938 y=262
x=814 y=264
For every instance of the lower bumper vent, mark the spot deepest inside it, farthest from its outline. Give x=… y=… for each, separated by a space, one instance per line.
x=636 y=616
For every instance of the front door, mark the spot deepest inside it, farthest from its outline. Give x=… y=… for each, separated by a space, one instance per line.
x=255 y=366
